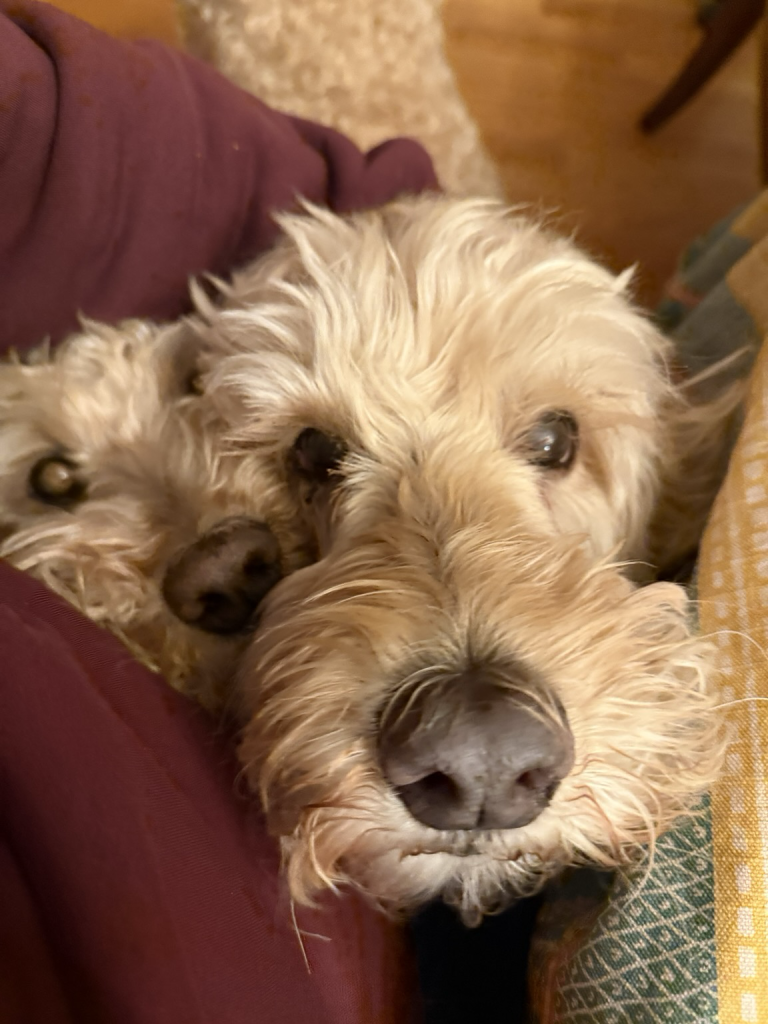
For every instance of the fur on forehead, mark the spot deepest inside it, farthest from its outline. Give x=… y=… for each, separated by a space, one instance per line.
x=99 y=386
x=434 y=303
x=435 y=321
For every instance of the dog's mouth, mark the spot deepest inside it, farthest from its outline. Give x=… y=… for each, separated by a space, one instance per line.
x=463 y=852
x=476 y=850
x=493 y=844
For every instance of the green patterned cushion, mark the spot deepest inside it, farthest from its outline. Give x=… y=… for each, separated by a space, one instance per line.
x=636 y=949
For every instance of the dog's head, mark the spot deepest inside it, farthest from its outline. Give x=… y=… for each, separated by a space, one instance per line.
x=116 y=490
x=466 y=692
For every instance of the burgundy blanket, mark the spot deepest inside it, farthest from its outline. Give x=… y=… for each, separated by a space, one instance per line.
x=137 y=884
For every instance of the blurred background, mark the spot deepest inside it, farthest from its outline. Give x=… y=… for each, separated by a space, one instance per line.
x=557 y=87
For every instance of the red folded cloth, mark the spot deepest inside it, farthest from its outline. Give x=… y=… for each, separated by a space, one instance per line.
x=137 y=883
x=126 y=167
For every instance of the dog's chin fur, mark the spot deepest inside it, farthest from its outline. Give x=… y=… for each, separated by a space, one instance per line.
x=632 y=681
x=429 y=336
x=116 y=402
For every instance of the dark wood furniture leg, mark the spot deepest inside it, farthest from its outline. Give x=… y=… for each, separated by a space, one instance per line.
x=728 y=27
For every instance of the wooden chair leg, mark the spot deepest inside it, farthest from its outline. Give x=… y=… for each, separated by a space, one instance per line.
x=763 y=109
x=729 y=26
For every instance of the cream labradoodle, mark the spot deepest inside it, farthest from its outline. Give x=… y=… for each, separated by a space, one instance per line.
x=467 y=691
x=116 y=491
x=448 y=430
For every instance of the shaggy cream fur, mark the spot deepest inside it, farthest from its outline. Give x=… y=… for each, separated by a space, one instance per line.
x=430 y=340
x=146 y=475
x=432 y=344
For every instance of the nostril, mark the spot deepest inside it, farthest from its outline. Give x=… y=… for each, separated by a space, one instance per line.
x=214 y=603
x=256 y=565
x=439 y=800
x=257 y=576
x=220 y=612
x=436 y=786
x=537 y=780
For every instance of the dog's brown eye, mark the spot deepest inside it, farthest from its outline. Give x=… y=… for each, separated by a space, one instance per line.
x=553 y=442
x=55 y=481
x=316 y=455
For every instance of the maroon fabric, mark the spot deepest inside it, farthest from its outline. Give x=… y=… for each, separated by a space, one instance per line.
x=125 y=167
x=137 y=884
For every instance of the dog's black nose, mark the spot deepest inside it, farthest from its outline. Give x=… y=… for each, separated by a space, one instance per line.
x=474 y=754
x=217 y=583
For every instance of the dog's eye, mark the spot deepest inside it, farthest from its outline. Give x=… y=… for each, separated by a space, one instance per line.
x=316 y=455
x=552 y=443
x=55 y=481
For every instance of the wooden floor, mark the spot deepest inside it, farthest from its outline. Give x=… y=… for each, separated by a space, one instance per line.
x=557 y=86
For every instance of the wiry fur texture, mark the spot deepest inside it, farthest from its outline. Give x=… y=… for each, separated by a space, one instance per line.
x=371 y=70
x=147 y=448
x=701 y=431
x=430 y=337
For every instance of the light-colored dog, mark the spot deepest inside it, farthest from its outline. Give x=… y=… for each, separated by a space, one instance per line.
x=116 y=491
x=467 y=691
x=466 y=418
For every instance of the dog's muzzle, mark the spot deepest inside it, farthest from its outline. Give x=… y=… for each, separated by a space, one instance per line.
x=474 y=754
x=217 y=583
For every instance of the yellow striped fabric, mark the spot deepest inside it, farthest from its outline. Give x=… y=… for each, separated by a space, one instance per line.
x=733 y=591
